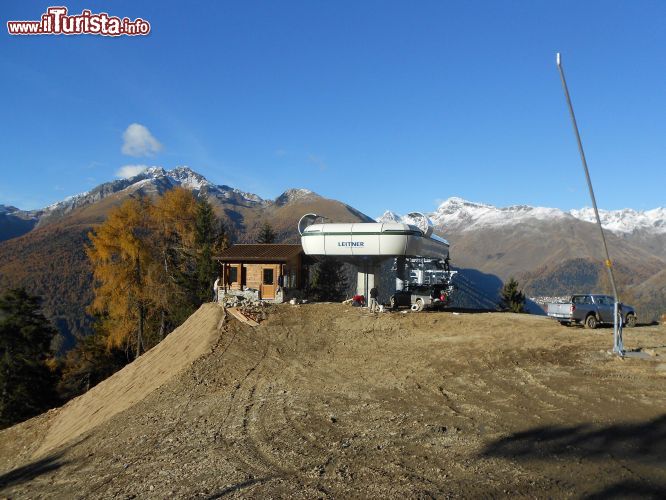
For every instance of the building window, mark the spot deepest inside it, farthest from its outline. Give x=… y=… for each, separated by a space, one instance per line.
x=233 y=275
x=268 y=277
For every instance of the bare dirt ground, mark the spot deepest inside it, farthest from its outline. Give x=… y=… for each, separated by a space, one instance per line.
x=327 y=400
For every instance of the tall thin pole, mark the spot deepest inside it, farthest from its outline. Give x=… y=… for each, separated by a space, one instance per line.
x=617 y=330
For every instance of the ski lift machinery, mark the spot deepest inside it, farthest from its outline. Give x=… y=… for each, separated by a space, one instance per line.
x=369 y=244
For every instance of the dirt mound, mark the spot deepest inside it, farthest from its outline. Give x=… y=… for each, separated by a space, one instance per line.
x=130 y=385
x=327 y=400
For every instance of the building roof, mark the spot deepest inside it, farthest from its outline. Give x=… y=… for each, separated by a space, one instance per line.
x=268 y=252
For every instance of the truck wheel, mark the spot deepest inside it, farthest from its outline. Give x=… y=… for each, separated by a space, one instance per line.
x=419 y=304
x=631 y=320
x=591 y=322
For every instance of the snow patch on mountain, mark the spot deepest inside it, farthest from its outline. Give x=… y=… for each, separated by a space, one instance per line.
x=389 y=216
x=463 y=215
x=234 y=194
x=152 y=177
x=626 y=220
x=466 y=215
x=297 y=194
x=7 y=209
x=187 y=178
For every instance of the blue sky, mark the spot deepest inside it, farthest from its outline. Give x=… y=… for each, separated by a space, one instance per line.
x=379 y=104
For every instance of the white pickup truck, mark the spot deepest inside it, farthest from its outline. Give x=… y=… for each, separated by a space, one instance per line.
x=590 y=310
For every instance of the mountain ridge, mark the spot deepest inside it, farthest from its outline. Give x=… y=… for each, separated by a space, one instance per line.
x=463 y=214
x=553 y=252
x=543 y=248
x=454 y=212
x=153 y=180
x=46 y=254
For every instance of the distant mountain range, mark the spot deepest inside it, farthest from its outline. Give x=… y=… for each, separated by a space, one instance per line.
x=551 y=252
x=44 y=250
x=459 y=214
x=155 y=180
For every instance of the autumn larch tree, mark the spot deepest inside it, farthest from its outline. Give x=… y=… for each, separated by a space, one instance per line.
x=173 y=248
x=153 y=266
x=121 y=258
x=89 y=362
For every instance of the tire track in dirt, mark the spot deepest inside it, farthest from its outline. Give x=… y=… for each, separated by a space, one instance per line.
x=324 y=401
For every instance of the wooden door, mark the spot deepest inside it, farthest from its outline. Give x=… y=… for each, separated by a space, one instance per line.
x=268 y=282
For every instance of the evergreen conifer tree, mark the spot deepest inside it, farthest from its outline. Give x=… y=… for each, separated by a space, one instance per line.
x=512 y=298
x=329 y=281
x=266 y=234
x=205 y=240
x=27 y=386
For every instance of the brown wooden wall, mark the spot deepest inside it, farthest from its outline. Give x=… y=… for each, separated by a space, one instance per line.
x=254 y=274
x=250 y=274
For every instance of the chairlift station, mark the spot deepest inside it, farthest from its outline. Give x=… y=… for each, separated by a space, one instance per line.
x=367 y=245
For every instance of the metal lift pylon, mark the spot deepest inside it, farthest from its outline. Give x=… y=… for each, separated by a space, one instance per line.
x=618 y=346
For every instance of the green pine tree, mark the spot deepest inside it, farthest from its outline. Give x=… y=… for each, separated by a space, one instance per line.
x=329 y=281
x=27 y=385
x=512 y=298
x=205 y=239
x=266 y=234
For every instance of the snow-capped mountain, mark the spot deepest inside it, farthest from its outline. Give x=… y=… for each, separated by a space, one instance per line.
x=9 y=210
x=626 y=220
x=292 y=195
x=46 y=252
x=153 y=180
x=14 y=222
x=457 y=214
x=389 y=216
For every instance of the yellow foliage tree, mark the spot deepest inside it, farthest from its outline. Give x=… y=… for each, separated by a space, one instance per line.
x=172 y=218
x=121 y=258
x=146 y=261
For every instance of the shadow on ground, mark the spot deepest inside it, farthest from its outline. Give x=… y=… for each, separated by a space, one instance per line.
x=32 y=470
x=645 y=442
x=630 y=489
x=37 y=468
x=641 y=442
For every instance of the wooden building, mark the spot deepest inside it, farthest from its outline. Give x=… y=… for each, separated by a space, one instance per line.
x=269 y=268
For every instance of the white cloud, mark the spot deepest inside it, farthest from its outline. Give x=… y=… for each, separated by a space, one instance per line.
x=318 y=162
x=128 y=171
x=138 y=141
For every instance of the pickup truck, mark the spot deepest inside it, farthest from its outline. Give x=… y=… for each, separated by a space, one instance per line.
x=419 y=297
x=590 y=310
